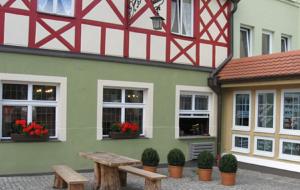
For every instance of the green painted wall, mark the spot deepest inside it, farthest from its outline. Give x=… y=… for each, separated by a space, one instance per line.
x=274 y=15
x=82 y=76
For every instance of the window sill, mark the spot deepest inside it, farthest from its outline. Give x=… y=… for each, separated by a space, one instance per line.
x=181 y=36
x=56 y=15
x=195 y=137
x=108 y=139
x=54 y=140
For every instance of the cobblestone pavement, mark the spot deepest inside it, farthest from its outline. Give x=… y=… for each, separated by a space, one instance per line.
x=247 y=180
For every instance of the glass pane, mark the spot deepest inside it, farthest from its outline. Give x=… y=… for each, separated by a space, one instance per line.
x=110 y=116
x=244 y=142
x=187 y=17
x=186 y=102
x=112 y=95
x=291 y=119
x=242 y=110
x=296 y=149
x=201 y=102
x=46 y=6
x=268 y=145
x=46 y=117
x=175 y=16
x=135 y=115
x=265 y=110
x=41 y=92
x=194 y=126
x=287 y=148
x=244 y=43
x=64 y=7
x=9 y=115
x=238 y=142
x=134 y=96
x=260 y=144
x=266 y=40
x=15 y=91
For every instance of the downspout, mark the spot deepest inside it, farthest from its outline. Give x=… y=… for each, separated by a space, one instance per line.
x=214 y=83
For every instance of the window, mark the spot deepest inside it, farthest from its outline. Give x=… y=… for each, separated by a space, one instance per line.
x=240 y=143
x=264 y=146
x=285 y=43
x=182 y=17
x=245 y=42
x=265 y=111
x=58 y=7
x=194 y=114
x=242 y=111
x=291 y=112
x=267 y=42
x=289 y=150
x=42 y=100
x=124 y=101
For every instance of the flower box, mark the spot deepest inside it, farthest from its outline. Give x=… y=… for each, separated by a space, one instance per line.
x=27 y=138
x=120 y=135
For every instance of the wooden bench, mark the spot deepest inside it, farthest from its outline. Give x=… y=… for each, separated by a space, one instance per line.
x=67 y=177
x=152 y=180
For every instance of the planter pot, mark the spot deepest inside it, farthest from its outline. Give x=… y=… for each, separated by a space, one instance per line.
x=204 y=174
x=150 y=169
x=119 y=135
x=26 y=138
x=228 y=179
x=175 y=171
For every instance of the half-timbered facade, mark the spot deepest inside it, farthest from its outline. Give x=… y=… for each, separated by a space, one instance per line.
x=79 y=66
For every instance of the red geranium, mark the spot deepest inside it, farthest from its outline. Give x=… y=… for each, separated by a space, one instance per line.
x=125 y=127
x=33 y=129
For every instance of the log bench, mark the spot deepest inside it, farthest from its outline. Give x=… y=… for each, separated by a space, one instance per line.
x=152 y=180
x=67 y=177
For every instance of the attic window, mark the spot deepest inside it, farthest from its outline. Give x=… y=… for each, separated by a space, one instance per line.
x=57 y=7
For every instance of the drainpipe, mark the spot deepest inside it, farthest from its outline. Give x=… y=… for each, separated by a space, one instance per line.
x=214 y=83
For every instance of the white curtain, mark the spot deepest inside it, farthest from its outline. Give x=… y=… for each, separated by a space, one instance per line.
x=45 y=5
x=174 y=18
x=187 y=17
x=64 y=6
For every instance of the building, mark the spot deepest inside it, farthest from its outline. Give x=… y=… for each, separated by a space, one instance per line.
x=260 y=92
x=80 y=66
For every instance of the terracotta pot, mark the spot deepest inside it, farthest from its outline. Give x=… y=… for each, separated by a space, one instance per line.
x=26 y=138
x=150 y=169
x=228 y=179
x=175 y=171
x=204 y=174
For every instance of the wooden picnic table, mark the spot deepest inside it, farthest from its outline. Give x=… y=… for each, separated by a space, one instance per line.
x=107 y=174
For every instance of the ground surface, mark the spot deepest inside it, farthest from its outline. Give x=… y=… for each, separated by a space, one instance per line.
x=247 y=180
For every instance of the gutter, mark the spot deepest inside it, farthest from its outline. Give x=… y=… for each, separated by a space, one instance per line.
x=214 y=83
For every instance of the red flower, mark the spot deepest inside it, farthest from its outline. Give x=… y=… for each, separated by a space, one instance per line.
x=32 y=129
x=21 y=122
x=38 y=132
x=45 y=132
x=31 y=133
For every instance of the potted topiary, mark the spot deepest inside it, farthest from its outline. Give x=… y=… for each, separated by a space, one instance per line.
x=150 y=160
x=205 y=165
x=228 y=167
x=176 y=161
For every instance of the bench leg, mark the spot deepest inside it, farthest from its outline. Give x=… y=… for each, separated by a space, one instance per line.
x=76 y=187
x=152 y=185
x=123 y=178
x=59 y=183
x=97 y=175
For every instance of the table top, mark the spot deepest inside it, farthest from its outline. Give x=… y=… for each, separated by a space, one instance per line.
x=109 y=159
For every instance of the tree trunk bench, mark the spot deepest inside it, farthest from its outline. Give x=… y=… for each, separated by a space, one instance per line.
x=152 y=180
x=67 y=177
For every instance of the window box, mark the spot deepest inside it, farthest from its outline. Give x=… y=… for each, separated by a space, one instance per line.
x=27 y=138
x=120 y=135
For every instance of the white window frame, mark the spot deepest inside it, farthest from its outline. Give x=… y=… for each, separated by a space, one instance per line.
x=249 y=31
x=264 y=153
x=270 y=34
x=286 y=156
x=212 y=108
x=54 y=12
x=180 y=24
x=30 y=80
x=288 y=41
x=282 y=130
x=148 y=103
x=237 y=127
x=261 y=129
x=239 y=149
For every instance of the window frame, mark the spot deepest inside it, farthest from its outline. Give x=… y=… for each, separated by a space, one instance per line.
x=288 y=42
x=239 y=149
x=264 y=153
x=147 y=101
x=30 y=80
x=180 y=24
x=212 y=103
x=73 y=8
x=282 y=130
x=270 y=34
x=237 y=127
x=249 y=31
x=287 y=156
x=261 y=129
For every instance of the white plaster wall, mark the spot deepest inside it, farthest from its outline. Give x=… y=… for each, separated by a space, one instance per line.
x=158 y=48
x=221 y=54
x=90 y=39
x=114 y=42
x=16 y=29
x=205 y=55
x=18 y=4
x=137 y=45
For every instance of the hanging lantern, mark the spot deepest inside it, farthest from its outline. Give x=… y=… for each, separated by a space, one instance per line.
x=157 y=22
